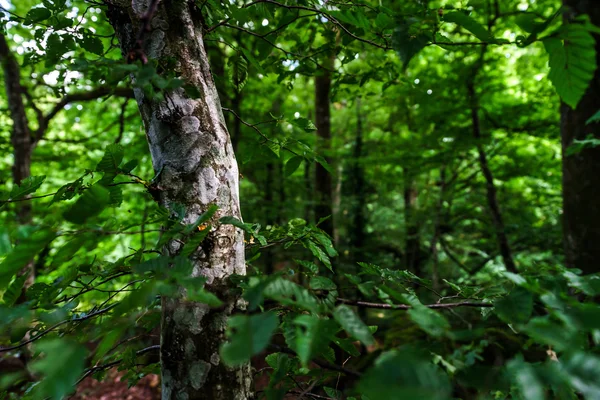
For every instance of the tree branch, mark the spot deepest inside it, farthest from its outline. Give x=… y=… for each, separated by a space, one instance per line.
x=102 y=367
x=320 y=363
x=385 y=306
x=53 y=327
x=80 y=96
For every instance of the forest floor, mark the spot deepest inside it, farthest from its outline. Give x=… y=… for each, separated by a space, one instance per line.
x=113 y=387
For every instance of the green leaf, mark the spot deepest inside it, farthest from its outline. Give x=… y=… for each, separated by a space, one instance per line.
x=322 y=283
x=292 y=294
x=516 y=307
x=588 y=284
x=582 y=372
x=37 y=14
x=347 y=345
x=471 y=25
x=313 y=335
x=193 y=243
x=115 y=195
x=545 y=330
x=88 y=205
x=593 y=118
x=248 y=335
x=14 y=290
x=239 y=71
x=28 y=185
x=432 y=322
x=407 y=42
x=317 y=252
x=353 y=324
x=22 y=254
x=526 y=379
x=405 y=374
x=572 y=61
x=579 y=145
x=68 y=191
x=129 y=166
x=61 y=365
x=201 y=295
x=292 y=165
x=228 y=220
x=304 y=123
x=92 y=44
x=5 y=245
x=113 y=156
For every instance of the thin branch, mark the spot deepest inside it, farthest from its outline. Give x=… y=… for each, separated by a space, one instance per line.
x=385 y=306
x=258 y=130
x=326 y=15
x=122 y=121
x=320 y=363
x=53 y=327
x=111 y=364
x=81 y=96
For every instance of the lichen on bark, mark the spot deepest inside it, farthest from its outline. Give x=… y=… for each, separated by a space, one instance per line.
x=195 y=165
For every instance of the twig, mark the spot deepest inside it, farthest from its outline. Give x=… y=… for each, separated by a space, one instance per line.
x=111 y=364
x=320 y=363
x=39 y=335
x=386 y=306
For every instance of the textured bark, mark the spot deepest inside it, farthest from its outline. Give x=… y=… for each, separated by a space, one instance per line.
x=491 y=194
x=581 y=214
x=21 y=134
x=323 y=182
x=22 y=144
x=195 y=165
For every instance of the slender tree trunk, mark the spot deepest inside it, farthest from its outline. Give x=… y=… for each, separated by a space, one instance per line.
x=269 y=214
x=21 y=134
x=21 y=140
x=236 y=123
x=413 y=236
x=492 y=197
x=437 y=231
x=581 y=214
x=357 y=182
x=195 y=165
x=323 y=181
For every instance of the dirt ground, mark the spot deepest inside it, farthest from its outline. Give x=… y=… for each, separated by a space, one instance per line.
x=113 y=387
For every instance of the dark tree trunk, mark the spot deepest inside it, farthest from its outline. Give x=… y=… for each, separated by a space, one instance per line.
x=269 y=214
x=236 y=123
x=437 y=230
x=194 y=160
x=492 y=197
x=357 y=188
x=581 y=214
x=413 y=237
x=21 y=134
x=22 y=143
x=323 y=181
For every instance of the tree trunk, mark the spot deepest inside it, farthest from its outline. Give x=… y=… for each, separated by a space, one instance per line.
x=357 y=188
x=581 y=215
x=195 y=166
x=21 y=134
x=413 y=236
x=492 y=197
x=323 y=182
x=22 y=143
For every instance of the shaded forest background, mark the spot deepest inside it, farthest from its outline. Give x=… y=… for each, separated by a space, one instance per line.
x=417 y=182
